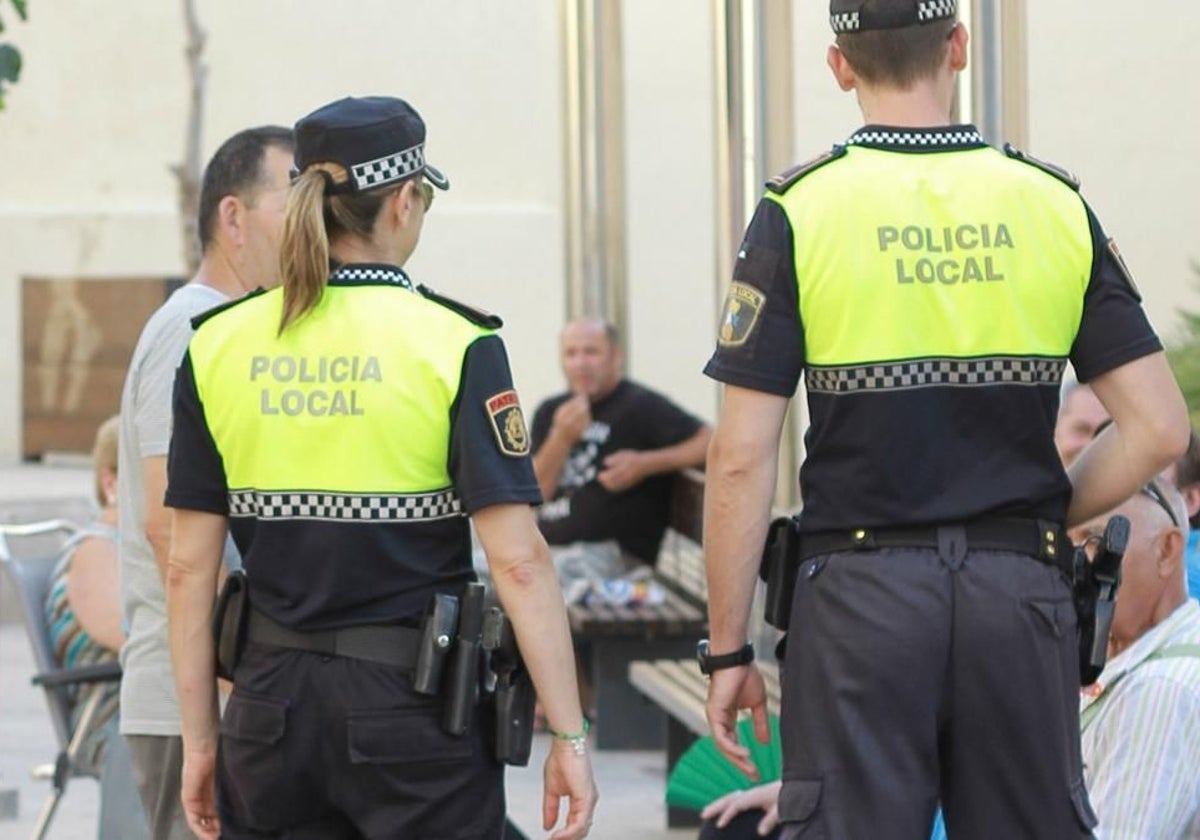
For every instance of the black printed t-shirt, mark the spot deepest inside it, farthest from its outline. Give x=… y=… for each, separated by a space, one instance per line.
x=631 y=417
x=921 y=455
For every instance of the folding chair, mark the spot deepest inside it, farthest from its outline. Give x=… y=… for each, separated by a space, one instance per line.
x=75 y=696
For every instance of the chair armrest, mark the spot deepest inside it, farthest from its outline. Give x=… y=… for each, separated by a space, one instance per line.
x=104 y=672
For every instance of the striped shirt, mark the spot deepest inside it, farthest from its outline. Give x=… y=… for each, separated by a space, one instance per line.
x=1141 y=735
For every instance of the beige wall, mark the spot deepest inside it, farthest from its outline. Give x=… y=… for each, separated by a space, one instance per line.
x=92 y=127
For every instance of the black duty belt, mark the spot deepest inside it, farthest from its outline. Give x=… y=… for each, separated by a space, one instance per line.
x=389 y=644
x=1041 y=539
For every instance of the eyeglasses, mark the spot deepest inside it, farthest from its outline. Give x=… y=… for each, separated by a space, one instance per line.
x=427 y=194
x=1151 y=490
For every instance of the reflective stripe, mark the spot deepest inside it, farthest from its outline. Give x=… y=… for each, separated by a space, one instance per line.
x=344 y=507
x=929 y=373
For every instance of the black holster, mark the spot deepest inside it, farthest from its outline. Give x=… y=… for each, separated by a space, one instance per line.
x=515 y=697
x=231 y=617
x=780 y=564
x=437 y=635
x=462 y=690
x=1095 y=591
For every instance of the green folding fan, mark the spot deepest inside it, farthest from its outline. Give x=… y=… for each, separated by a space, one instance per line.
x=702 y=774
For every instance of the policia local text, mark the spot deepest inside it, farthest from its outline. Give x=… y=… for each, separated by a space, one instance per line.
x=315 y=401
x=948 y=240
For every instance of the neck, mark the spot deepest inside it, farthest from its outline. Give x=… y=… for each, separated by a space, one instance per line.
x=926 y=104
x=358 y=250
x=108 y=515
x=218 y=272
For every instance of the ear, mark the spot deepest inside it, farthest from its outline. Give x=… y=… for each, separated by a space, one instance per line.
x=231 y=219
x=843 y=73
x=404 y=203
x=1170 y=554
x=108 y=483
x=959 y=48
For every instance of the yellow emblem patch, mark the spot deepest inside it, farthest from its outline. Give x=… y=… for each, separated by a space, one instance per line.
x=508 y=423
x=742 y=307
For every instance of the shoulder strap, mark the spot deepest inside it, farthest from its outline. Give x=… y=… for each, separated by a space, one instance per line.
x=1064 y=175
x=475 y=316
x=221 y=307
x=784 y=181
x=1181 y=651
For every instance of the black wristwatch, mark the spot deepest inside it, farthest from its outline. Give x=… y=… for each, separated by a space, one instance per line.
x=709 y=663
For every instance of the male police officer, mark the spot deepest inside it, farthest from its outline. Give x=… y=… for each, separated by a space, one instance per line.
x=932 y=289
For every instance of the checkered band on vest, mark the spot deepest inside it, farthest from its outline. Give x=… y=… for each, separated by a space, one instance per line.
x=844 y=22
x=931 y=373
x=384 y=170
x=969 y=137
x=344 y=507
x=374 y=274
x=928 y=10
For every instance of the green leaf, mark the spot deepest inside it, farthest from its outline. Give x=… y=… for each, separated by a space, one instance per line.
x=10 y=63
x=22 y=11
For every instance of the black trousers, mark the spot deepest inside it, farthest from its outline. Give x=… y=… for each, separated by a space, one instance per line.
x=334 y=748
x=913 y=675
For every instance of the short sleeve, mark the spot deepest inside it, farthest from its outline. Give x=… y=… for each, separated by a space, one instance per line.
x=489 y=442
x=667 y=423
x=156 y=377
x=1114 y=329
x=195 y=470
x=760 y=341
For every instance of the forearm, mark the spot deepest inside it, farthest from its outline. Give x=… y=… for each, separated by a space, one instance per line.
x=532 y=598
x=737 y=513
x=548 y=463
x=191 y=587
x=690 y=453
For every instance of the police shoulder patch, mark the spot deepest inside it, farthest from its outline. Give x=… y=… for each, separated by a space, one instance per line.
x=508 y=423
x=1064 y=175
x=475 y=316
x=784 y=181
x=197 y=320
x=743 y=305
x=1123 y=269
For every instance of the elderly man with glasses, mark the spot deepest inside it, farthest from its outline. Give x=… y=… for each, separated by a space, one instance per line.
x=1140 y=721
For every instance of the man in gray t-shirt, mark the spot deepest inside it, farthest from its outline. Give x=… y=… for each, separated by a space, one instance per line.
x=242 y=200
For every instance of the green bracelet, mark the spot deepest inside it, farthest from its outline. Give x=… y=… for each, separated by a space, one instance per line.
x=578 y=740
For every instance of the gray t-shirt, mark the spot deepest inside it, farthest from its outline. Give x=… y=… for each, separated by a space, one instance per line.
x=148 y=703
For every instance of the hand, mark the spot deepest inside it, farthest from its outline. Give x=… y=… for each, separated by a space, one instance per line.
x=731 y=689
x=570 y=775
x=199 y=793
x=571 y=419
x=622 y=470
x=763 y=798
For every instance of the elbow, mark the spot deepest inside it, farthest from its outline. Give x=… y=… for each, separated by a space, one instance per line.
x=521 y=569
x=728 y=459
x=1171 y=434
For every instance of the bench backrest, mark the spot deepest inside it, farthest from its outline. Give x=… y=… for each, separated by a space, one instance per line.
x=681 y=558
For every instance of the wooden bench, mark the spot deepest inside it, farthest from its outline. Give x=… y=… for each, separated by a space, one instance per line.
x=621 y=635
x=678 y=687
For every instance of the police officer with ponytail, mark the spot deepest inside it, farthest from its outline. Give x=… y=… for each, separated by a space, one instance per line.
x=931 y=290
x=343 y=427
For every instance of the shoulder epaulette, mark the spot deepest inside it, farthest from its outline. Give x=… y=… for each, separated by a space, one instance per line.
x=1064 y=175
x=197 y=320
x=784 y=181
x=475 y=316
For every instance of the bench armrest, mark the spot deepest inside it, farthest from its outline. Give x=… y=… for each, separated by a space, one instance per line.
x=104 y=672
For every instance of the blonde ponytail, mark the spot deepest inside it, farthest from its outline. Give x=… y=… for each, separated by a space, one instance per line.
x=304 y=249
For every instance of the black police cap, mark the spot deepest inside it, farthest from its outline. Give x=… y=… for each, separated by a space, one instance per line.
x=863 y=15
x=380 y=140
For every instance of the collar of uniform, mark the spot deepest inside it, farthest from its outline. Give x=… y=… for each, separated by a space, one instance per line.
x=940 y=139
x=370 y=274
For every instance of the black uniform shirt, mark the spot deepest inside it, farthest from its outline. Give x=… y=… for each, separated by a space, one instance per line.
x=926 y=455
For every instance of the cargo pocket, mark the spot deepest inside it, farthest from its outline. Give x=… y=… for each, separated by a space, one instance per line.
x=799 y=801
x=404 y=736
x=1083 y=806
x=252 y=752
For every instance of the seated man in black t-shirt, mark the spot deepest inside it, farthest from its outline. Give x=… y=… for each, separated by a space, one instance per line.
x=604 y=450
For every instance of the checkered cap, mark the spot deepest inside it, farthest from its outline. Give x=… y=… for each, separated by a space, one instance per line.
x=861 y=16
x=380 y=140
x=344 y=507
